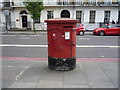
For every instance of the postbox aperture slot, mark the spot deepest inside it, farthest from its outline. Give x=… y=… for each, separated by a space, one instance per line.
x=68 y=26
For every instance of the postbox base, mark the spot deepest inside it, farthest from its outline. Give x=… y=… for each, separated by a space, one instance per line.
x=61 y=63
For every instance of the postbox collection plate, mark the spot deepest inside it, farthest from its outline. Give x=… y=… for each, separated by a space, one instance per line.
x=67 y=35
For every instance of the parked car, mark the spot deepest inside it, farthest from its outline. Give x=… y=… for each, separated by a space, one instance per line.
x=80 y=29
x=112 y=29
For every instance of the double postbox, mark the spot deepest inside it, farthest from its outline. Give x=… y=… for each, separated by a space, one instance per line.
x=61 y=43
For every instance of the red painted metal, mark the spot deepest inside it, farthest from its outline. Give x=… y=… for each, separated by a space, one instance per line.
x=79 y=27
x=60 y=44
x=108 y=30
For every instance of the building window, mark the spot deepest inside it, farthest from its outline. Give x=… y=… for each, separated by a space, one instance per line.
x=108 y=2
x=107 y=17
x=49 y=14
x=85 y=1
x=92 y=16
x=79 y=2
x=37 y=20
x=93 y=2
x=59 y=2
x=65 y=2
x=6 y=4
x=100 y=2
x=79 y=15
x=118 y=18
x=114 y=1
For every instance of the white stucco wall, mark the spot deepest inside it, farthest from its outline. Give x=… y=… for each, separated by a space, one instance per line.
x=15 y=14
x=85 y=14
x=114 y=15
x=99 y=15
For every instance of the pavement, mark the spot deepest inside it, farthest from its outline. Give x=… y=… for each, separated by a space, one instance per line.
x=27 y=32
x=90 y=73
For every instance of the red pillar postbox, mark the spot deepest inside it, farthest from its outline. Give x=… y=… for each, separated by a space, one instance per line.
x=61 y=43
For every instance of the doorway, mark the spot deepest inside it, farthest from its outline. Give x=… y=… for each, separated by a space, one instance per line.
x=65 y=14
x=24 y=21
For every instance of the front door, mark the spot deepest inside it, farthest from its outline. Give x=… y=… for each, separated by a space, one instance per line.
x=24 y=21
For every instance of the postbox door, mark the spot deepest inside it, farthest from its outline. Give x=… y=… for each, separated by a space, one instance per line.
x=60 y=44
x=73 y=39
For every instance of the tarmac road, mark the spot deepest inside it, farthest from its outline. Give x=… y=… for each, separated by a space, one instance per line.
x=87 y=46
x=24 y=58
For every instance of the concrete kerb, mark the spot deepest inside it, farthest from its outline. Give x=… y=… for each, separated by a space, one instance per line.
x=43 y=32
x=24 y=32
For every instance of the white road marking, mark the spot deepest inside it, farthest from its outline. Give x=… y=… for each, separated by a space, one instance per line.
x=9 y=66
x=18 y=76
x=102 y=56
x=97 y=46
x=8 y=35
x=84 y=38
x=11 y=35
x=45 y=46
x=22 y=35
x=24 y=38
x=32 y=35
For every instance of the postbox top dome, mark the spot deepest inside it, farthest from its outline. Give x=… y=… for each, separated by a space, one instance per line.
x=61 y=20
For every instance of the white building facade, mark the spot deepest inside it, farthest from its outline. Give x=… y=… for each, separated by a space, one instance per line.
x=91 y=13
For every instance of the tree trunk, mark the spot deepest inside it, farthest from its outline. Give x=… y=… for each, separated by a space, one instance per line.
x=34 y=27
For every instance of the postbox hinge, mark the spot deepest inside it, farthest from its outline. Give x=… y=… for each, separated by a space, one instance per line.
x=48 y=43
x=73 y=43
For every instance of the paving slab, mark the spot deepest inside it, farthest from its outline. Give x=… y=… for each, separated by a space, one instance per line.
x=98 y=84
x=109 y=65
x=113 y=75
x=23 y=85
x=76 y=76
x=87 y=74
x=75 y=86
x=34 y=72
x=52 y=75
x=95 y=73
x=31 y=75
x=9 y=75
x=50 y=84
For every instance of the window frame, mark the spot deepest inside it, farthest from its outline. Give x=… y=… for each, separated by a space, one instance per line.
x=50 y=14
x=92 y=16
x=119 y=17
x=79 y=15
x=107 y=16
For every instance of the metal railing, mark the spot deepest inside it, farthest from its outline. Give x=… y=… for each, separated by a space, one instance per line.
x=81 y=3
x=57 y=3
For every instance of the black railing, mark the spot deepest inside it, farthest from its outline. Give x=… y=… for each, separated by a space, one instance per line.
x=89 y=3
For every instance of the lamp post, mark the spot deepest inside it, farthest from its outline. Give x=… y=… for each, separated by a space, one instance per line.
x=6 y=13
